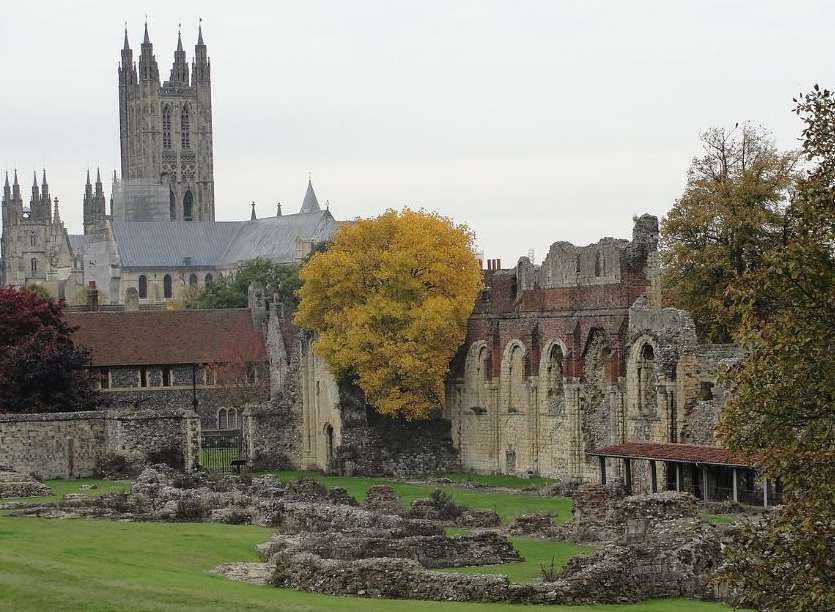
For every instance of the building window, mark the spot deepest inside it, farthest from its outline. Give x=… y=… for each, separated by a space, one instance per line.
x=222 y=419
x=143 y=287
x=192 y=280
x=251 y=374
x=233 y=418
x=143 y=377
x=33 y=239
x=34 y=265
x=209 y=279
x=167 y=291
x=188 y=206
x=104 y=378
x=166 y=377
x=172 y=205
x=166 y=127
x=184 y=128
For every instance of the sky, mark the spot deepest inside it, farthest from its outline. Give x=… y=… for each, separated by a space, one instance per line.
x=530 y=121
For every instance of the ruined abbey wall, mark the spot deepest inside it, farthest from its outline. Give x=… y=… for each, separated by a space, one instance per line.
x=576 y=354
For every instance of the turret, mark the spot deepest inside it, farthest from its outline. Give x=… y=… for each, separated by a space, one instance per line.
x=127 y=70
x=45 y=203
x=35 y=202
x=201 y=67
x=148 y=69
x=56 y=218
x=179 y=71
x=95 y=203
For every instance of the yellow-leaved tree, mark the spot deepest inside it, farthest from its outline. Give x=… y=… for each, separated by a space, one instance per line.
x=389 y=301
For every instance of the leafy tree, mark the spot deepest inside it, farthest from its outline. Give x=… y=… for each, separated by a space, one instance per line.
x=390 y=301
x=731 y=212
x=783 y=405
x=41 y=369
x=231 y=290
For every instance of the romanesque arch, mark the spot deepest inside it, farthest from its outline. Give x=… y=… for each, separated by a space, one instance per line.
x=596 y=418
x=475 y=378
x=514 y=387
x=552 y=379
x=641 y=379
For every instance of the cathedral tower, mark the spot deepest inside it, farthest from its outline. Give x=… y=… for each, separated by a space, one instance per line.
x=166 y=130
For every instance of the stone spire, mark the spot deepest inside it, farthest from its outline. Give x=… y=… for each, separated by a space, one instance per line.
x=36 y=195
x=99 y=189
x=179 y=71
x=310 y=203
x=15 y=187
x=44 y=191
x=127 y=71
x=148 y=69
x=7 y=190
x=56 y=217
x=200 y=69
x=277 y=212
x=88 y=188
x=252 y=216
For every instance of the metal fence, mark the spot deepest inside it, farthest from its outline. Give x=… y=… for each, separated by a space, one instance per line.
x=222 y=450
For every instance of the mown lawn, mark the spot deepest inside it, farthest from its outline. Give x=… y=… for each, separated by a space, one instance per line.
x=60 y=487
x=107 y=566
x=536 y=553
x=507 y=505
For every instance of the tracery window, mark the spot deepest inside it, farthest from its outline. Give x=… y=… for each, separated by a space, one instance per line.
x=188 y=206
x=184 y=129
x=166 y=127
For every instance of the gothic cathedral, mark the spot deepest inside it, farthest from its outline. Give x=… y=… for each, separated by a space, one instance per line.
x=166 y=130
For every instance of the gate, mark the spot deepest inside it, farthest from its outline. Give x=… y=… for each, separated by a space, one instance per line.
x=221 y=450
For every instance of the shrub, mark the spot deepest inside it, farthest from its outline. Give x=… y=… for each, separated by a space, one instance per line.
x=191 y=508
x=442 y=502
x=549 y=572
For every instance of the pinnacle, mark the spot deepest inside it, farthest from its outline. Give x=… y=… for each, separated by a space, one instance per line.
x=34 y=178
x=7 y=178
x=179 y=42
x=147 y=40
x=88 y=176
x=98 y=175
x=15 y=176
x=43 y=181
x=127 y=44
x=200 y=32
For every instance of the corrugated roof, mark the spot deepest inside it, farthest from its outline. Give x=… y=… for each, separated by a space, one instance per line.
x=685 y=453
x=168 y=337
x=151 y=244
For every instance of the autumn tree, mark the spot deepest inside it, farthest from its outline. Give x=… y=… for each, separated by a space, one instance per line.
x=731 y=212
x=783 y=403
x=231 y=290
x=41 y=369
x=389 y=301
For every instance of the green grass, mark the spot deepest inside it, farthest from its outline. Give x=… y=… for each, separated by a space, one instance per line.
x=721 y=519
x=106 y=566
x=535 y=552
x=501 y=480
x=508 y=505
x=61 y=487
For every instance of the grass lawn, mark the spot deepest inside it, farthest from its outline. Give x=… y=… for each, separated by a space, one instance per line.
x=508 y=505
x=60 y=487
x=535 y=552
x=107 y=566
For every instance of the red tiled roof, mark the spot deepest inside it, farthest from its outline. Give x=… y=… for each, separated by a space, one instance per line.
x=168 y=337
x=684 y=453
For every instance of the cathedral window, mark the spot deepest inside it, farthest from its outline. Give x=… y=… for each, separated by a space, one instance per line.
x=192 y=280
x=143 y=287
x=167 y=291
x=33 y=239
x=209 y=279
x=184 y=129
x=188 y=206
x=166 y=127
x=222 y=419
x=34 y=265
x=172 y=205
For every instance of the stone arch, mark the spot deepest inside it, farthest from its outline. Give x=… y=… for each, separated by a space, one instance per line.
x=188 y=206
x=209 y=279
x=475 y=378
x=327 y=432
x=222 y=418
x=233 y=418
x=513 y=381
x=167 y=287
x=143 y=287
x=595 y=414
x=641 y=378
x=192 y=280
x=552 y=376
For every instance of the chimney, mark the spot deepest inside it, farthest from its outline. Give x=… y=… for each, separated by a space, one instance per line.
x=92 y=297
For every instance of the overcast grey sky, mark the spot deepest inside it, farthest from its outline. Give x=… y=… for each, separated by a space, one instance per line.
x=531 y=121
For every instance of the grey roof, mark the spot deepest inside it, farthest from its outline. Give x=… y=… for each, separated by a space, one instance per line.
x=310 y=203
x=166 y=244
